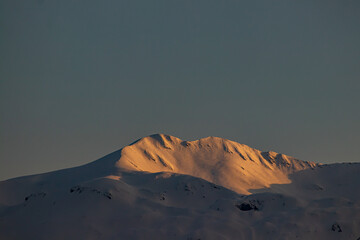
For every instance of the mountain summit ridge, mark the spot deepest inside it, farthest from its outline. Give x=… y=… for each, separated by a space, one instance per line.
x=221 y=161
x=161 y=187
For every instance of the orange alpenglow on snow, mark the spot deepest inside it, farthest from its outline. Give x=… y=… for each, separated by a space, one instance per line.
x=161 y=187
x=230 y=164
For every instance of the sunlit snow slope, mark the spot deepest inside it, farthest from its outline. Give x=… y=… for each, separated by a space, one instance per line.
x=221 y=161
x=161 y=187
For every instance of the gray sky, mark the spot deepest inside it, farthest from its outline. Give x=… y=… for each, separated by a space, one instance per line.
x=80 y=79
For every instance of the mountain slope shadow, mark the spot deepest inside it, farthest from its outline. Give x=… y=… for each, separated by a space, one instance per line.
x=319 y=203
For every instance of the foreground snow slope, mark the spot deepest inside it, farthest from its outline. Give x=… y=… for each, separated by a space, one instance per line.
x=161 y=187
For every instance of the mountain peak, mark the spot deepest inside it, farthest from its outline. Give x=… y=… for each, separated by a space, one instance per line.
x=184 y=189
x=221 y=161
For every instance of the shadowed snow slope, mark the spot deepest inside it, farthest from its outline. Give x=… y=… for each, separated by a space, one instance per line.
x=161 y=187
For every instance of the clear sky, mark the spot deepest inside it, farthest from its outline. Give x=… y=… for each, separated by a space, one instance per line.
x=80 y=79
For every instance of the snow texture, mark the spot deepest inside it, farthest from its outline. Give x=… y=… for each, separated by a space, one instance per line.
x=161 y=187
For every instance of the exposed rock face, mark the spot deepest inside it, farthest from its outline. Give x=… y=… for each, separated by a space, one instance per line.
x=336 y=227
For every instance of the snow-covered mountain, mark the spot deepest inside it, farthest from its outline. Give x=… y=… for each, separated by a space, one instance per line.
x=220 y=161
x=161 y=187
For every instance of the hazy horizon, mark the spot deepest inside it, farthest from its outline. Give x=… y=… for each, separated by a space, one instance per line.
x=79 y=80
